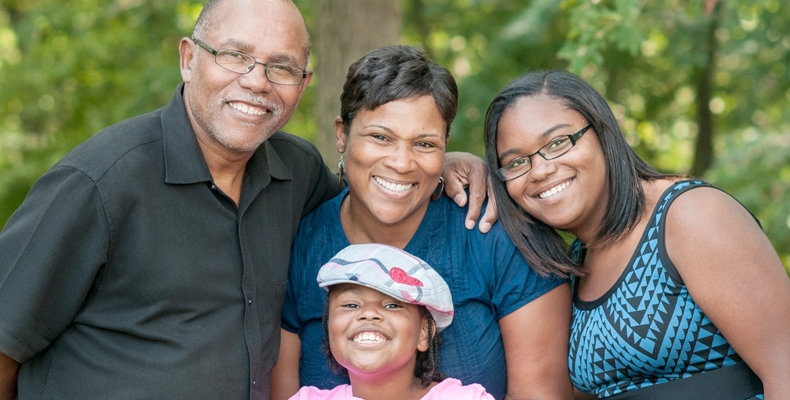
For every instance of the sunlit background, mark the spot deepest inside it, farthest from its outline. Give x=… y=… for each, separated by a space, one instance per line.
x=699 y=87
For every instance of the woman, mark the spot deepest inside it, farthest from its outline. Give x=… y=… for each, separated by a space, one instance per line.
x=396 y=110
x=672 y=277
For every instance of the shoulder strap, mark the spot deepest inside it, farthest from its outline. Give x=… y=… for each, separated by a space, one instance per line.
x=734 y=382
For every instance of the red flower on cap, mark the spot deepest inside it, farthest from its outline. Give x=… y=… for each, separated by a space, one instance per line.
x=400 y=276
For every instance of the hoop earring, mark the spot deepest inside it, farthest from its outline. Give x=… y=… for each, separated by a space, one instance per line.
x=439 y=190
x=340 y=166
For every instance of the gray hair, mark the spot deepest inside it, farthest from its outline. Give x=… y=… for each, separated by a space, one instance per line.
x=208 y=20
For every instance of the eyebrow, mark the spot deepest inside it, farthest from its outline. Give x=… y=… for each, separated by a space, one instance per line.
x=236 y=44
x=377 y=126
x=351 y=288
x=248 y=48
x=422 y=135
x=541 y=138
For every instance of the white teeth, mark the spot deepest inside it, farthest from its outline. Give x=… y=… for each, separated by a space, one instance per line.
x=247 y=110
x=393 y=187
x=369 y=337
x=554 y=190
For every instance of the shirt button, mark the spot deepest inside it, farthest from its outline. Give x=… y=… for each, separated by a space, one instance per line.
x=213 y=187
x=254 y=383
x=249 y=301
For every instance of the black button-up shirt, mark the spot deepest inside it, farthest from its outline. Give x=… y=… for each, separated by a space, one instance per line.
x=127 y=274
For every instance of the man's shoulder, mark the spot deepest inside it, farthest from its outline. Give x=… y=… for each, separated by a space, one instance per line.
x=289 y=144
x=102 y=150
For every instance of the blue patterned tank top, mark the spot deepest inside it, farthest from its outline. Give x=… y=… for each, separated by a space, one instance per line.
x=646 y=329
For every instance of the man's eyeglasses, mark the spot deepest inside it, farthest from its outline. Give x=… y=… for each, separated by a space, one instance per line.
x=555 y=148
x=242 y=63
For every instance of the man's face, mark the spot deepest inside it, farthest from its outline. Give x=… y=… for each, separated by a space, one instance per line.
x=238 y=112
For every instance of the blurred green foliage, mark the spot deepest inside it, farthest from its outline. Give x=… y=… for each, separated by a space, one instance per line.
x=69 y=68
x=645 y=57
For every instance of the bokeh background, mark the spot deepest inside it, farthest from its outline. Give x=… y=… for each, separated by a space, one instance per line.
x=700 y=87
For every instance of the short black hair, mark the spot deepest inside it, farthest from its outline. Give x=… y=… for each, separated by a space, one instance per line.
x=541 y=244
x=393 y=73
x=427 y=367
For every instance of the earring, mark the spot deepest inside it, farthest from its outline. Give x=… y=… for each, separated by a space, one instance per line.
x=340 y=166
x=439 y=189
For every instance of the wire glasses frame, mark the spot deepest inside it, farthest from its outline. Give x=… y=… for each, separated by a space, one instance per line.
x=242 y=63
x=555 y=148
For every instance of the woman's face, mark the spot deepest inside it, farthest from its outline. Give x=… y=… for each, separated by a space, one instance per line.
x=372 y=333
x=393 y=160
x=568 y=192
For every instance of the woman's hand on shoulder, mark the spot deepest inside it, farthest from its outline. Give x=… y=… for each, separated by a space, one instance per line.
x=735 y=276
x=462 y=170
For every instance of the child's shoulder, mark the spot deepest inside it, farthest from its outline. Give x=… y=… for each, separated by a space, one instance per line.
x=455 y=389
x=340 y=392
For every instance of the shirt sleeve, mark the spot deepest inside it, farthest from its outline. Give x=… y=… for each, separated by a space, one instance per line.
x=514 y=282
x=52 y=248
x=451 y=388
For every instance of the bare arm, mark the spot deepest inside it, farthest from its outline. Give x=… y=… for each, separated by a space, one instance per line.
x=285 y=374
x=463 y=170
x=9 y=369
x=735 y=276
x=536 y=347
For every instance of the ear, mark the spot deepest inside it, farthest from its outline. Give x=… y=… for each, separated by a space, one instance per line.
x=187 y=51
x=303 y=84
x=427 y=331
x=340 y=135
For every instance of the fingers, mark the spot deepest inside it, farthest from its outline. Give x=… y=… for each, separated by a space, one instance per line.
x=478 y=186
x=456 y=170
x=491 y=215
x=454 y=186
x=462 y=170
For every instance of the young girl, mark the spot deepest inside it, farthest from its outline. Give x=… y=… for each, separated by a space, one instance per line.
x=381 y=327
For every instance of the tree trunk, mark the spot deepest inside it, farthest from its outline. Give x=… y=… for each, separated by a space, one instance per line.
x=703 y=153
x=344 y=31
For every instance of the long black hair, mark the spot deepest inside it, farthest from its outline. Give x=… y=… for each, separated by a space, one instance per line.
x=542 y=246
x=427 y=367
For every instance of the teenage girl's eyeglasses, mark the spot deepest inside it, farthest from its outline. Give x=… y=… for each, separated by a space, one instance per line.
x=555 y=148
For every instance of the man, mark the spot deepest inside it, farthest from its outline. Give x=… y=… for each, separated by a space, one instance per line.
x=150 y=262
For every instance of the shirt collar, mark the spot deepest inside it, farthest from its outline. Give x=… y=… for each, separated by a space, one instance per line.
x=184 y=161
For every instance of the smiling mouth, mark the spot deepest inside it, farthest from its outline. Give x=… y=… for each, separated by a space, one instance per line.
x=247 y=110
x=393 y=187
x=370 y=338
x=554 y=190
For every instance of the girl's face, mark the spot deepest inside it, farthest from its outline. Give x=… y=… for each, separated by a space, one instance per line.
x=393 y=159
x=568 y=192
x=372 y=333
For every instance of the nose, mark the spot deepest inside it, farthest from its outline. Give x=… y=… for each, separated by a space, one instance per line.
x=541 y=168
x=369 y=312
x=401 y=158
x=256 y=80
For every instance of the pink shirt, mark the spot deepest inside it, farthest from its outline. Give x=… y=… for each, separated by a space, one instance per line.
x=447 y=389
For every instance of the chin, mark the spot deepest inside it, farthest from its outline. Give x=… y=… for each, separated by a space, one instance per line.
x=390 y=220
